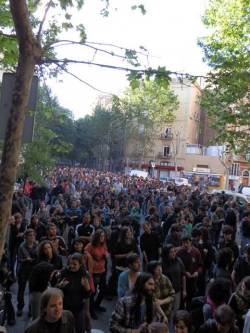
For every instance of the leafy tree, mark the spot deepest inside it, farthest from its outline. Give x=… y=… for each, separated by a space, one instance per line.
x=53 y=137
x=146 y=108
x=226 y=50
x=30 y=33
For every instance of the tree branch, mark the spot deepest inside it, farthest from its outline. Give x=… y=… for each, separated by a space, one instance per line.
x=70 y=42
x=120 y=68
x=83 y=81
x=43 y=19
x=115 y=46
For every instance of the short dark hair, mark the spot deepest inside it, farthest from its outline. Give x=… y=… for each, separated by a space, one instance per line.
x=151 y=266
x=224 y=315
x=185 y=316
x=219 y=291
x=28 y=232
x=226 y=229
x=132 y=258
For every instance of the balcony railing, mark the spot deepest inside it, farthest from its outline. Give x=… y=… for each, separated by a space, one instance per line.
x=167 y=156
x=166 y=136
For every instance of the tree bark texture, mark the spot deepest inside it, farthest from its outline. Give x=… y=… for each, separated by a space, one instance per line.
x=29 y=56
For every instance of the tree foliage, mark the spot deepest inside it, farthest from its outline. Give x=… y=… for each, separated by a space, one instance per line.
x=226 y=50
x=53 y=137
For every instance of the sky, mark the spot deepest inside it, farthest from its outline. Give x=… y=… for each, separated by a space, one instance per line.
x=169 y=31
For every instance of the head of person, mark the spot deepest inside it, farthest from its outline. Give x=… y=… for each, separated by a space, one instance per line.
x=227 y=232
x=224 y=317
x=182 y=321
x=75 y=262
x=29 y=236
x=46 y=250
x=144 y=285
x=219 y=291
x=186 y=242
x=175 y=230
x=247 y=252
x=197 y=236
x=144 y=290
x=245 y=288
x=52 y=305
x=34 y=220
x=18 y=218
x=154 y=267
x=42 y=205
x=99 y=238
x=134 y=262
x=206 y=222
x=168 y=253
x=51 y=230
x=86 y=218
x=78 y=245
x=219 y=212
x=73 y=204
x=126 y=233
x=152 y=210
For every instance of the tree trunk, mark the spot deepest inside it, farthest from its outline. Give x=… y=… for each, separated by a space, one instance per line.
x=29 y=56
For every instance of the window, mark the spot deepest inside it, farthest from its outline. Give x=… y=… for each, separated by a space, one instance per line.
x=168 y=132
x=245 y=173
x=235 y=169
x=166 y=151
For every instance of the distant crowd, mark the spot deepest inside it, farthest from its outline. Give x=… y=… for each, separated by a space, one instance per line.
x=174 y=258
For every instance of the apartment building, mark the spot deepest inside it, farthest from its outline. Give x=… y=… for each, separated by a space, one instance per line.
x=176 y=149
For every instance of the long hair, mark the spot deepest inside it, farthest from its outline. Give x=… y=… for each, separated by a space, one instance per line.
x=41 y=255
x=139 y=293
x=96 y=237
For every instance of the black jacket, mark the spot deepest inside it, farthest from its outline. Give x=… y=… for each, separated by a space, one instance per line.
x=74 y=292
x=39 y=325
x=40 y=276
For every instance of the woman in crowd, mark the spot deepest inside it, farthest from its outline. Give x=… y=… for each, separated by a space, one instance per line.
x=46 y=252
x=98 y=252
x=74 y=282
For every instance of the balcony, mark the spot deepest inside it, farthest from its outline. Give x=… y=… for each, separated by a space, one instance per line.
x=165 y=157
x=166 y=136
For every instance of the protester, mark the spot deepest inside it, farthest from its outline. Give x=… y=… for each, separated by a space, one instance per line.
x=52 y=316
x=94 y=213
x=98 y=251
x=26 y=260
x=223 y=322
x=164 y=292
x=74 y=282
x=127 y=279
x=137 y=312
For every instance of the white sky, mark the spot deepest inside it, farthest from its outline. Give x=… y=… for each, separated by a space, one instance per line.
x=169 y=31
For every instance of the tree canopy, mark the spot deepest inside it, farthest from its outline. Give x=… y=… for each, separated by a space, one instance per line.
x=226 y=50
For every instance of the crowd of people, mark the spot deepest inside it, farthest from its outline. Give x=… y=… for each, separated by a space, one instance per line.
x=174 y=259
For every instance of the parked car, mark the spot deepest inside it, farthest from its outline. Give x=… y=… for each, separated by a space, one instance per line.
x=181 y=182
x=138 y=173
x=246 y=191
x=240 y=198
